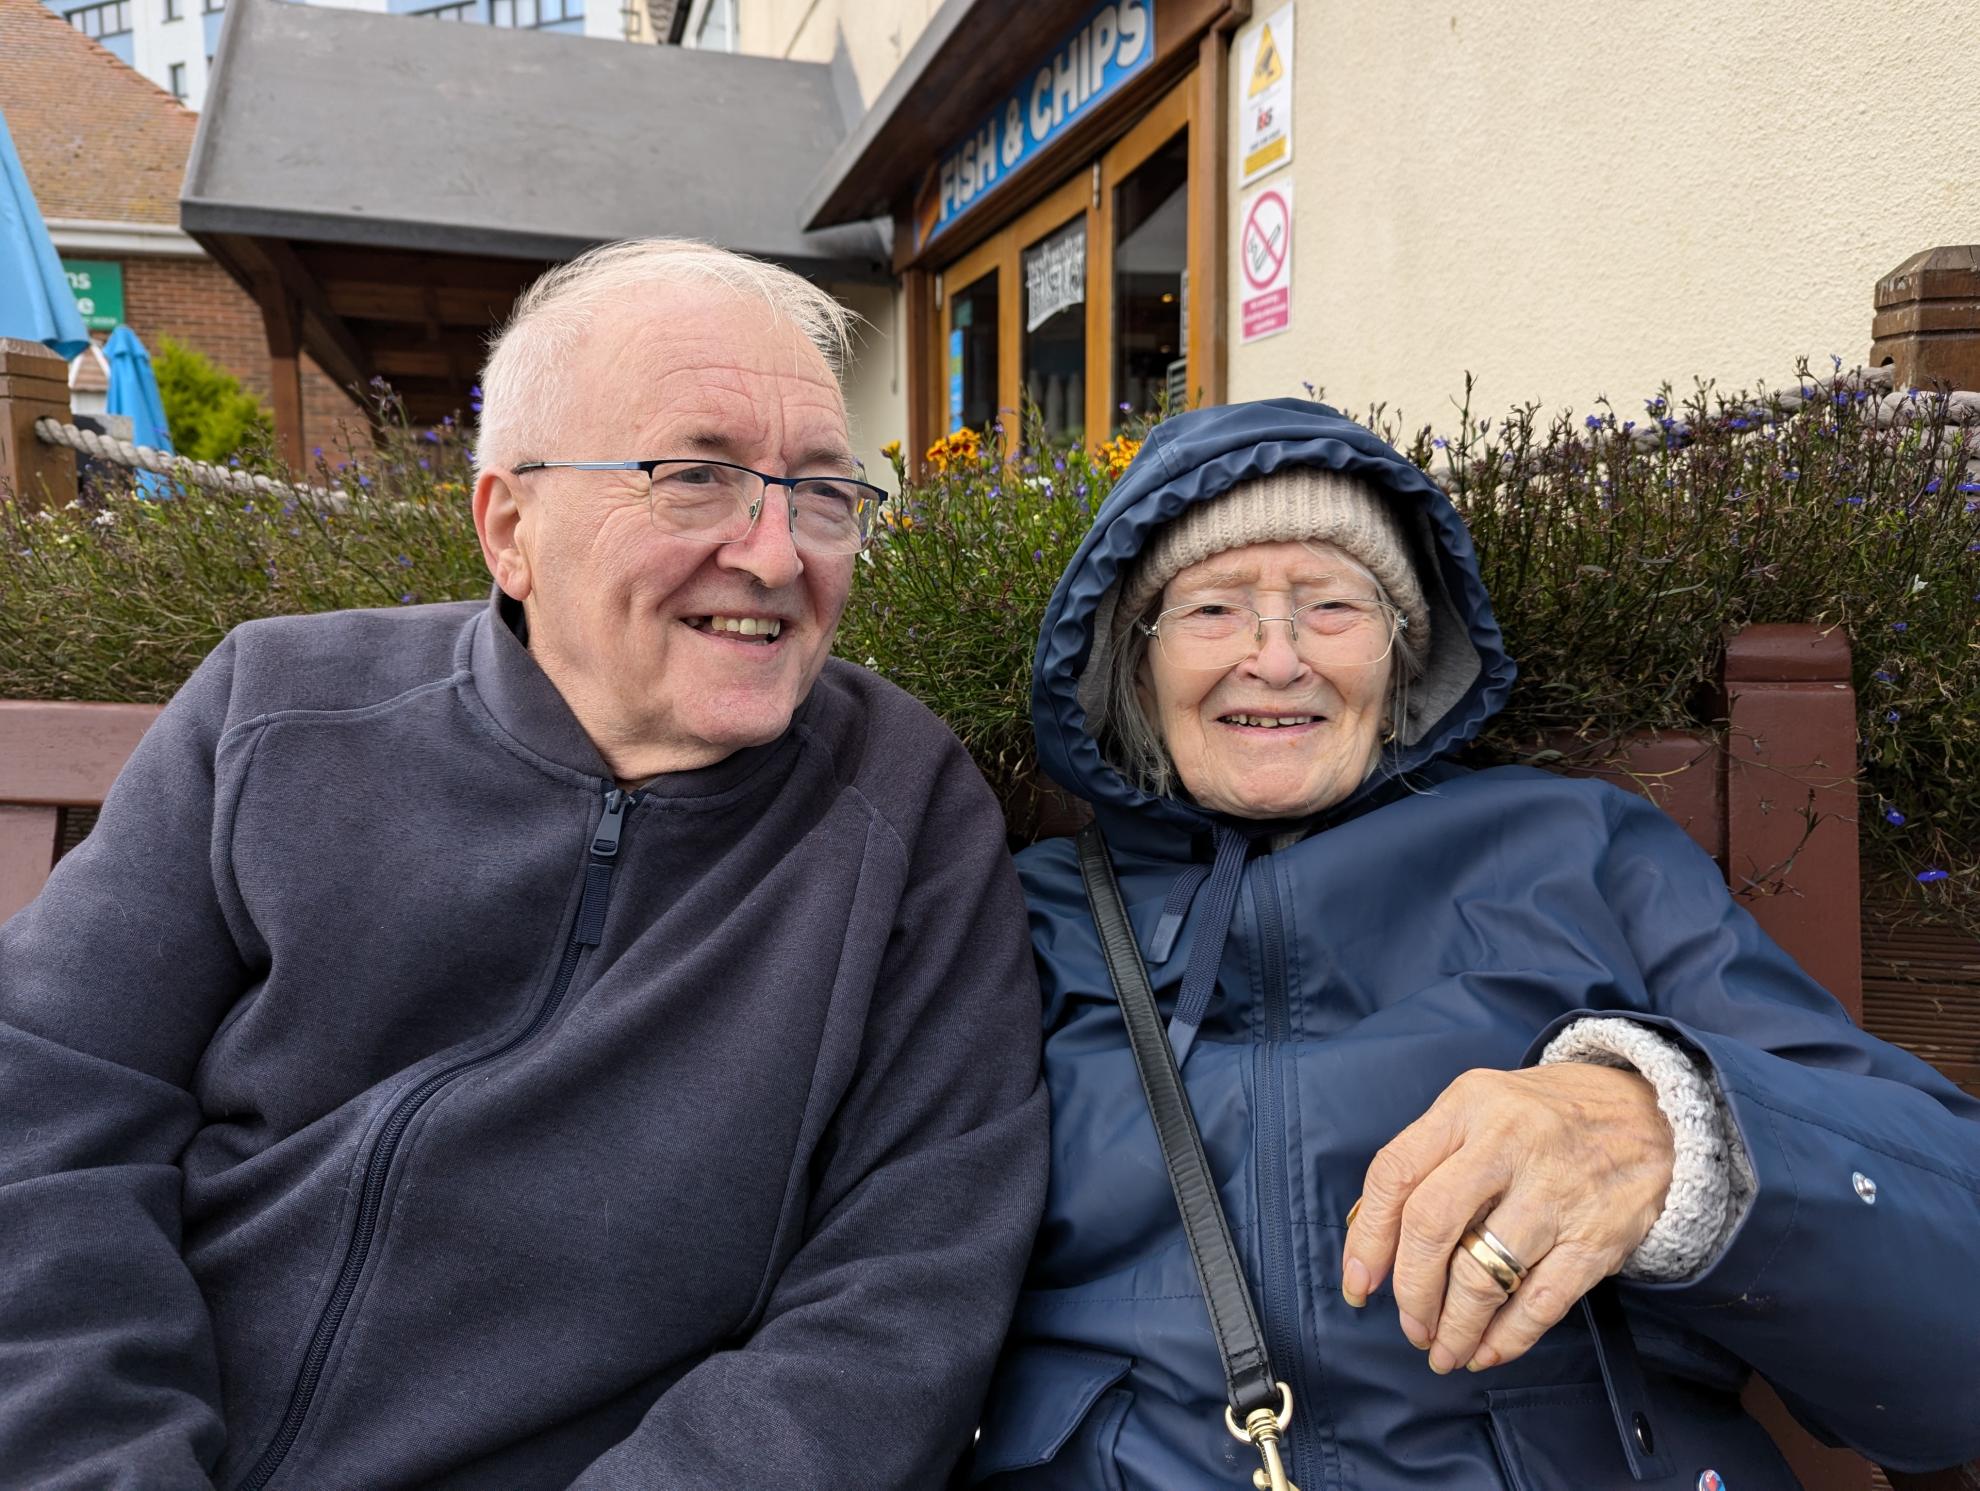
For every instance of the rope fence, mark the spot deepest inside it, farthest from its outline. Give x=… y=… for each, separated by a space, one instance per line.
x=182 y=469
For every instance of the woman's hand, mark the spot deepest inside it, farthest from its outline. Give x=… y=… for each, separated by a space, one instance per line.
x=1566 y=1165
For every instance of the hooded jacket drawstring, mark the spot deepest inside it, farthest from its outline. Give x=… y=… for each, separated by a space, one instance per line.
x=1200 y=977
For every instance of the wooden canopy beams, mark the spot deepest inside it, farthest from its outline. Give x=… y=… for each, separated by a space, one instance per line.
x=419 y=321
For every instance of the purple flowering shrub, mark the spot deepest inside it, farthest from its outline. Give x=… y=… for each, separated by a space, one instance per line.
x=1621 y=549
x=116 y=597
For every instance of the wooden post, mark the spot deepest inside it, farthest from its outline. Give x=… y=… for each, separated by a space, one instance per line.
x=281 y=320
x=1791 y=860
x=1791 y=830
x=1927 y=323
x=34 y=383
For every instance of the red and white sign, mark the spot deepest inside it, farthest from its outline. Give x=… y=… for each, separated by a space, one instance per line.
x=1265 y=262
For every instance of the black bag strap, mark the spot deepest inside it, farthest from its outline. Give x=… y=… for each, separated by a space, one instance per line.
x=1247 y=1369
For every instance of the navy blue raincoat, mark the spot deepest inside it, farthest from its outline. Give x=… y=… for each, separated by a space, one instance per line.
x=1422 y=929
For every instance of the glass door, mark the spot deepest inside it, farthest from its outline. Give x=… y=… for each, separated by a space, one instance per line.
x=972 y=334
x=1081 y=304
x=1054 y=356
x=1145 y=224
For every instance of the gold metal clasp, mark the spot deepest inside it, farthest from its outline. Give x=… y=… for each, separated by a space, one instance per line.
x=1261 y=1431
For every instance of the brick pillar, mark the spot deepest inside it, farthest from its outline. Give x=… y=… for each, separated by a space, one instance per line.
x=1928 y=319
x=34 y=383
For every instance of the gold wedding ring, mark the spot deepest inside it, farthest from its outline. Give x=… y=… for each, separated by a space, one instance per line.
x=1494 y=1257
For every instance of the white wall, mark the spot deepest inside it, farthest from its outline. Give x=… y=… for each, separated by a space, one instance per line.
x=156 y=44
x=878 y=33
x=876 y=382
x=1579 y=200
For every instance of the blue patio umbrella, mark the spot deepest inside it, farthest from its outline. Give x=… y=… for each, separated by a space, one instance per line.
x=35 y=303
x=134 y=391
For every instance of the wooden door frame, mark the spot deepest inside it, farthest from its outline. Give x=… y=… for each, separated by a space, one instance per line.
x=1002 y=249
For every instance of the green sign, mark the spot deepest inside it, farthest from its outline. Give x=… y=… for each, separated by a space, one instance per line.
x=98 y=286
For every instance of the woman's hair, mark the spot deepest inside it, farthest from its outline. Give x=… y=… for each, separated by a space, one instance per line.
x=1132 y=744
x=524 y=378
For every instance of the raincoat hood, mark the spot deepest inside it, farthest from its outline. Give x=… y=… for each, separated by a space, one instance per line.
x=1201 y=455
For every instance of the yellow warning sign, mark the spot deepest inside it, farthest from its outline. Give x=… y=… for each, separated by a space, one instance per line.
x=1269 y=68
x=1265 y=52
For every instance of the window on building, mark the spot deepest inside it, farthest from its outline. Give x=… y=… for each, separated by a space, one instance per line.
x=213 y=7
x=99 y=22
x=1151 y=283
x=1079 y=306
x=462 y=10
x=1054 y=343
x=715 y=30
x=178 y=75
x=527 y=15
x=171 y=10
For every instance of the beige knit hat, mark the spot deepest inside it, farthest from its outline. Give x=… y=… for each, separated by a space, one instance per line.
x=1298 y=502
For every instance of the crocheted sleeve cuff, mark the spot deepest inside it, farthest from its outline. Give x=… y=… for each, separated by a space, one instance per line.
x=1712 y=1179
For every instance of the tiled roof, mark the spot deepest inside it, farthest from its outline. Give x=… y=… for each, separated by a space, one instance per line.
x=99 y=140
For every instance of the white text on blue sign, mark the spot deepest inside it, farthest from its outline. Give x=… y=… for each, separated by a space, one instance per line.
x=1113 y=43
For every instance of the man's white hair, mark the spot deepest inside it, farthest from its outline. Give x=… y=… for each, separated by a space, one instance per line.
x=524 y=380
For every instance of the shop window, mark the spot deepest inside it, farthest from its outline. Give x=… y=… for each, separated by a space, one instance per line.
x=1055 y=330
x=972 y=355
x=1151 y=283
x=1080 y=302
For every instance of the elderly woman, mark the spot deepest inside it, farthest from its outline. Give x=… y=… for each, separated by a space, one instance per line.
x=1530 y=1146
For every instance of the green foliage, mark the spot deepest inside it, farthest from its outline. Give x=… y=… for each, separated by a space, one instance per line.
x=946 y=602
x=1618 y=554
x=211 y=416
x=119 y=598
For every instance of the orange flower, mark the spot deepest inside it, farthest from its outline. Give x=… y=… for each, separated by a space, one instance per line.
x=1118 y=454
x=958 y=448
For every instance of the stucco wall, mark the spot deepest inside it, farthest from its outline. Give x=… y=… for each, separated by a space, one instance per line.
x=878 y=33
x=1574 y=201
x=876 y=382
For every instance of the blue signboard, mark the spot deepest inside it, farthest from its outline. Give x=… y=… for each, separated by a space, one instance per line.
x=1112 y=44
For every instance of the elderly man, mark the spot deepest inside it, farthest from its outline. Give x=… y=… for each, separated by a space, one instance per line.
x=583 y=1040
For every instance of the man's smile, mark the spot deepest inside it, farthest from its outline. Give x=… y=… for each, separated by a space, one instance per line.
x=760 y=631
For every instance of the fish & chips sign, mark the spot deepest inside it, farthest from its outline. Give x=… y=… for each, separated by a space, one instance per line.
x=1110 y=45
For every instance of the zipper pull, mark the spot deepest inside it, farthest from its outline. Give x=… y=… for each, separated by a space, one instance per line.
x=605 y=843
x=598 y=869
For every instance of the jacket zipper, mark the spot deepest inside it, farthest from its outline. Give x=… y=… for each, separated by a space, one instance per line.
x=585 y=934
x=1281 y=1301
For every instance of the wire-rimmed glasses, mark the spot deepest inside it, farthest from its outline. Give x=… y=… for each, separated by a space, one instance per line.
x=1339 y=631
x=718 y=502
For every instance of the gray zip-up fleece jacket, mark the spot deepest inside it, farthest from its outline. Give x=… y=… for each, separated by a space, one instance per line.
x=387 y=1101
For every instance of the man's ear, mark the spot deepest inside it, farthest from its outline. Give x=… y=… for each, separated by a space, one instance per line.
x=497 y=519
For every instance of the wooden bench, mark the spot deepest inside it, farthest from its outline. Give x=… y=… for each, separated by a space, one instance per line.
x=1776 y=809
x=56 y=763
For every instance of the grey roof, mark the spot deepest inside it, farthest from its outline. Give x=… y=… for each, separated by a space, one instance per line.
x=343 y=126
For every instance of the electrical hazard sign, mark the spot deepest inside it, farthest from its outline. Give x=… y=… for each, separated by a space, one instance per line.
x=1265 y=112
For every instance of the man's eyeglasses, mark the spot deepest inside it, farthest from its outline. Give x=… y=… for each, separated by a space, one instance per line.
x=1340 y=631
x=718 y=502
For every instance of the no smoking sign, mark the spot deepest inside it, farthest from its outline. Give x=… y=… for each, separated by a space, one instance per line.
x=1265 y=261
